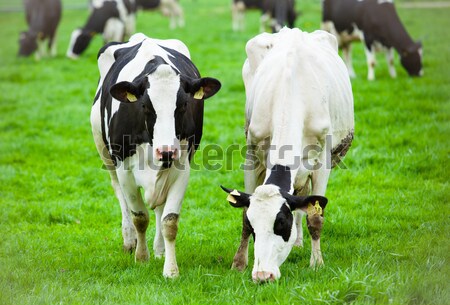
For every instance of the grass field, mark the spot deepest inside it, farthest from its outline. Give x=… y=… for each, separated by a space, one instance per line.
x=386 y=234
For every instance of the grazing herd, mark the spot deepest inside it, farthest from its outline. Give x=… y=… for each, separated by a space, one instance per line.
x=147 y=116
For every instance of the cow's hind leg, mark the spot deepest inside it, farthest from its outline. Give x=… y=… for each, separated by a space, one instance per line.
x=315 y=221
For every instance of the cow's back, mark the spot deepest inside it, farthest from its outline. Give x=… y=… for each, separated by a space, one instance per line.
x=301 y=76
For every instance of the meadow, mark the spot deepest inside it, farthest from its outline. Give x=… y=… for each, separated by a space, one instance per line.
x=386 y=231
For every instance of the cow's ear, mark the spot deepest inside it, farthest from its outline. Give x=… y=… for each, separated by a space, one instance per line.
x=125 y=92
x=203 y=88
x=237 y=199
x=311 y=204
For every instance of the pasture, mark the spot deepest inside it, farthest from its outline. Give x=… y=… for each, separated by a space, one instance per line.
x=386 y=232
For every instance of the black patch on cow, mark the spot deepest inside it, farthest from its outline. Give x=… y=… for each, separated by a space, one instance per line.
x=280 y=175
x=283 y=223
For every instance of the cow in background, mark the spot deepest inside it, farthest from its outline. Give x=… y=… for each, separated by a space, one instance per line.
x=169 y=8
x=147 y=122
x=42 y=17
x=378 y=25
x=115 y=19
x=275 y=14
x=299 y=123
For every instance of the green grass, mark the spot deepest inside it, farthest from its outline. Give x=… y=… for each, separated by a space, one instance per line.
x=386 y=233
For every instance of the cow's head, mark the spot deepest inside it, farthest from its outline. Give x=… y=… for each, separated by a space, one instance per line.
x=411 y=59
x=27 y=43
x=269 y=214
x=79 y=41
x=163 y=97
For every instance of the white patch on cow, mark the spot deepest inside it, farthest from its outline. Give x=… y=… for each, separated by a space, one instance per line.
x=385 y=1
x=114 y=30
x=163 y=95
x=73 y=38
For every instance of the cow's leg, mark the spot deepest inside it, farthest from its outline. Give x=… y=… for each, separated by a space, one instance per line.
x=390 y=62
x=238 y=16
x=138 y=211
x=265 y=21
x=53 y=46
x=347 y=52
x=169 y=219
x=130 y=26
x=370 y=57
x=114 y=30
x=315 y=222
x=158 y=242
x=252 y=167
x=298 y=214
x=128 y=231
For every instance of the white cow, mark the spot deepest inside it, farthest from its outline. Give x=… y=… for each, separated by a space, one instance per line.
x=299 y=117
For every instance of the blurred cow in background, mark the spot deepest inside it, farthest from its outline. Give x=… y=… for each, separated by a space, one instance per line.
x=377 y=23
x=115 y=19
x=275 y=14
x=42 y=17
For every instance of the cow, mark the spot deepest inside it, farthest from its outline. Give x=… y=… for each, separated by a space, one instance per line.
x=377 y=24
x=299 y=124
x=147 y=121
x=42 y=17
x=115 y=19
x=169 y=8
x=274 y=14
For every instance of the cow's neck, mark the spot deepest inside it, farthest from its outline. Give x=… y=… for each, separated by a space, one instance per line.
x=281 y=176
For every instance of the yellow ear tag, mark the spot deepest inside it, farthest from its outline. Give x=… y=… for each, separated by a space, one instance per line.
x=314 y=209
x=231 y=199
x=131 y=97
x=199 y=94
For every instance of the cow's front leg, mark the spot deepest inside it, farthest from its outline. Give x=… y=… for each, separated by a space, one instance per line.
x=315 y=218
x=347 y=52
x=139 y=212
x=240 y=260
x=170 y=216
x=158 y=242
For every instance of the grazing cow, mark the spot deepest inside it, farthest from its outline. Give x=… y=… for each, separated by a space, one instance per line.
x=169 y=8
x=115 y=19
x=147 y=122
x=42 y=17
x=275 y=13
x=299 y=123
x=377 y=24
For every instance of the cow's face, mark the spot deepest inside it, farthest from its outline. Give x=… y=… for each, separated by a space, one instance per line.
x=164 y=96
x=79 y=41
x=269 y=213
x=411 y=60
x=27 y=44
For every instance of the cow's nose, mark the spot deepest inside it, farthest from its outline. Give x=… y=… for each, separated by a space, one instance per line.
x=166 y=154
x=263 y=277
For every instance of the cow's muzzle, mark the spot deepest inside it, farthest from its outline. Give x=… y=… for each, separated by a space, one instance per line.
x=166 y=153
x=263 y=277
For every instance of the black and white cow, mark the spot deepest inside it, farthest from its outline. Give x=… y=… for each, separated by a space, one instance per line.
x=299 y=118
x=377 y=23
x=147 y=122
x=115 y=19
x=274 y=13
x=169 y=8
x=42 y=17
